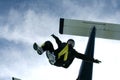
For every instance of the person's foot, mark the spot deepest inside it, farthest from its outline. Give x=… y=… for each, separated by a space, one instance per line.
x=38 y=49
x=51 y=57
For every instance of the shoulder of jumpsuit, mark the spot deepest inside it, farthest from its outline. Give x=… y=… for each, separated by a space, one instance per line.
x=63 y=44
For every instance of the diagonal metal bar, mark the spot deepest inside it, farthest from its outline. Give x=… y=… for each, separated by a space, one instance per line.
x=86 y=68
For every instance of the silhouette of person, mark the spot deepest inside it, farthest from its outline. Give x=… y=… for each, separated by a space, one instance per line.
x=64 y=55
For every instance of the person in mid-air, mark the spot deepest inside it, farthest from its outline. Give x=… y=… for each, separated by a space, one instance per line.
x=64 y=55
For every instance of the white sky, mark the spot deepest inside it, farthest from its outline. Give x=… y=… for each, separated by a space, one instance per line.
x=23 y=23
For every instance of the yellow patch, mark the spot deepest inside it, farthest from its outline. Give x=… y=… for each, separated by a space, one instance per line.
x=64 y=52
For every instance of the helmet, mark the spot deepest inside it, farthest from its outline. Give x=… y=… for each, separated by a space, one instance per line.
x=71 y=42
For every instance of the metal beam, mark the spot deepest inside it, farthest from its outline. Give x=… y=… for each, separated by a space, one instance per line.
x=86 y=68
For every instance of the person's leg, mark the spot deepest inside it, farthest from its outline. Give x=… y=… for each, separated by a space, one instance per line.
x=47 y=46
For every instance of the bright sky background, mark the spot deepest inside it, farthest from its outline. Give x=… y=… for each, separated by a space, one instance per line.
x=23 y=22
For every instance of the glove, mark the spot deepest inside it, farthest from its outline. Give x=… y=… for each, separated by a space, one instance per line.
x=53 y=35
x=97 y=61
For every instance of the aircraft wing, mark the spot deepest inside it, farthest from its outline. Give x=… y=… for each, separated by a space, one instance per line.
x=13 y=78
x=82 y=28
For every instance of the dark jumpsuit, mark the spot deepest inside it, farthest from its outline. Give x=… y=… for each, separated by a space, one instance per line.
x=72 y=53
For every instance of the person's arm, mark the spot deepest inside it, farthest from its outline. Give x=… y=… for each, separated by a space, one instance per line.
x=56 y=39
x=85 y=57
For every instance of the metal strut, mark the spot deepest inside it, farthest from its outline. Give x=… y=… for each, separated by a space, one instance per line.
x=86 y=68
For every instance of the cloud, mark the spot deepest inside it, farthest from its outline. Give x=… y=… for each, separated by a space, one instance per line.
x=23 y=29
x=28 y=26
x=20 y=28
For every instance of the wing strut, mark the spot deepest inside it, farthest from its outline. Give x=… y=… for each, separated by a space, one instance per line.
x=86 y=68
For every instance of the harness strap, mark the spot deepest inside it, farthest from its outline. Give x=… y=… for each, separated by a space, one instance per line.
x=64 y=52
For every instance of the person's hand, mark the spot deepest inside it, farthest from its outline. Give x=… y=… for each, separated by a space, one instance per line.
x=53 y=35
x=97 y=61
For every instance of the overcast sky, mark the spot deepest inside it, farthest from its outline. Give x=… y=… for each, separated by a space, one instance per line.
x=23 y=22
